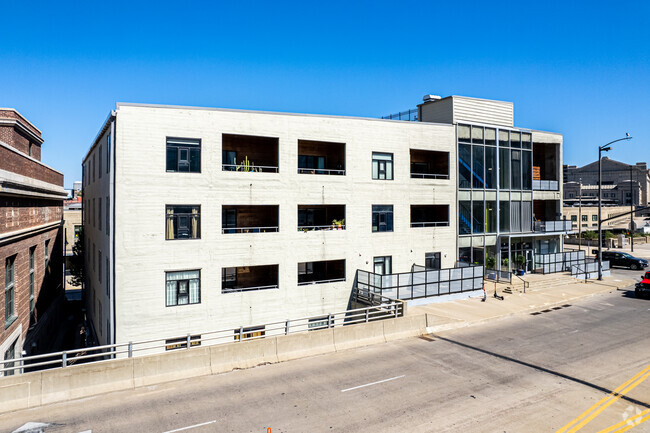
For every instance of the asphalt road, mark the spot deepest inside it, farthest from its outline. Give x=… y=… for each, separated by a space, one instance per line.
x=526 y=373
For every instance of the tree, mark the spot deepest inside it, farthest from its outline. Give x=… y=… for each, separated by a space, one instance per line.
x=77 y=262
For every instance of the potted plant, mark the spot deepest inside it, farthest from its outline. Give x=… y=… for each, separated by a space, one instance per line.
x=520 y=261
x=338 y=223
x=490 y=262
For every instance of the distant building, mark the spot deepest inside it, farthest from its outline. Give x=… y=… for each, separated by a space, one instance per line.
x=622 y=184
x=31 y=197
x=586 y=217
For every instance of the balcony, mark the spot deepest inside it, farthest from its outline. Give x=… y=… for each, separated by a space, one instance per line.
x=329 y=271
x=246 y=153
x=545 y=185
x=249 y=278
x=321 y=217
x=429 y=215
x=552 y=226
x=249 y=219
x=321 y=157
x=429 y=164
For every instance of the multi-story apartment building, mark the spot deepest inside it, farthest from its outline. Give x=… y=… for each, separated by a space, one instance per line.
x=31 y=197
x=509 y=182
x=198 y=219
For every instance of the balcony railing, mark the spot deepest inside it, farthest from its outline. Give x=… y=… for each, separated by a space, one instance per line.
x=428 y=176
x=431 y=224
x=250 y=168
x=334 y=280
x=409 y=115
x=247 y=289
x=546 y=185
x=321 y=171
x=317 y=228
x=552 y=226
x=249 y=230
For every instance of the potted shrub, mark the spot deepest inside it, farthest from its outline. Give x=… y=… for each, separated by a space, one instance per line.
x=491 y=262
x=520 y=261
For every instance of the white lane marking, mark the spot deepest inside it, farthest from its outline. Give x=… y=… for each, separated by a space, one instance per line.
x=192 y=426
x=373 y=383
x=86 y=431
x=32 y=426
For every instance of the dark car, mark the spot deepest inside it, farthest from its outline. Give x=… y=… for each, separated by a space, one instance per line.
x=625 y=260
x=642 y=289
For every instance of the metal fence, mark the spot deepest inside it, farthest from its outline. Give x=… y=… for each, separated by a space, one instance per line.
x=552 y=226
x=498 y=275
x=422 y=284
x=380 y=308
x=589 y=269
x=409 y=115
x=558 y=262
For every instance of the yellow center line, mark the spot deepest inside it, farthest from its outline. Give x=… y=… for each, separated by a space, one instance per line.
x=629 y=423
x=605 y=400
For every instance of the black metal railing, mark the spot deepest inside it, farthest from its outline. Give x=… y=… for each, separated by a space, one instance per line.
x=408 y=115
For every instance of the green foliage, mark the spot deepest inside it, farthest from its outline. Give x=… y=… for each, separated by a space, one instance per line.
x=77 y=261
x=589 y=235
x=490 y=262
x=520 y=261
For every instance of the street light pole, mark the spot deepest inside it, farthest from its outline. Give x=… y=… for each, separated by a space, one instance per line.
x=601 y=149
x=632 y=214
x=580 y=218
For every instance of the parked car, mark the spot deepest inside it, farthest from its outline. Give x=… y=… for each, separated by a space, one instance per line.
x=625 y=260
x=642 y=289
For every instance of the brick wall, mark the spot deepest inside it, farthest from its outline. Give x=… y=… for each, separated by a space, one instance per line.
x=17 y=213
x=16 y=163
x=46 y=281
x=18 y=139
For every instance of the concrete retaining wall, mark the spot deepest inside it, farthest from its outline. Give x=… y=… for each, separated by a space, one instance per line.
x=84 y=380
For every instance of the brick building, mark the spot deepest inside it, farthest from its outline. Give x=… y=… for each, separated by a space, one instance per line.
x=31 y=198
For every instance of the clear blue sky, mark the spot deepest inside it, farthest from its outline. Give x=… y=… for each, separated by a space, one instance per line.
x=579 y=68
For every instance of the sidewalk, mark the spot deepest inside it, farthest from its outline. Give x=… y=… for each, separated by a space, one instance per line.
x=545 y=291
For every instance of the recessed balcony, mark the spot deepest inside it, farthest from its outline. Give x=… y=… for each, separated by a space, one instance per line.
x=429 y=164
x=249 y=219
x=321 y=217
x=326 y=271
x=431 y=215
x=321 y=157
x=251 y=154
x=249 y=278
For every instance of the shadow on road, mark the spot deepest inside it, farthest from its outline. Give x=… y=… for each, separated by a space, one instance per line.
x=543 y=369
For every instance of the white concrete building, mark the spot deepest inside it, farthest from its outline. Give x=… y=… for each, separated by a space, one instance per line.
x=199 y=219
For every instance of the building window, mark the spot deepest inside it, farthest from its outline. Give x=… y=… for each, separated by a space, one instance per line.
x=183 y=222
x=585 y=218
x=9 y=291
x=100 y=162
x=574 y=217
x=183 y=287
x=382 y=218
x=94 y=166
x=383 y=265
x=108 y=215
x=93 y=212
x=250 y=333
x=47 y=253
x=32 y=280
x=99 y=212
x=77 y=231
x=382 y=166
x=10 y=353
x=594 y=218
x=108 y=153
x=181 y=343
x=99 y=266
x=183 y=155
x=108 y=279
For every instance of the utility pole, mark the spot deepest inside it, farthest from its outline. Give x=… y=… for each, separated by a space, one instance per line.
x=632 y=214
x=580 y=218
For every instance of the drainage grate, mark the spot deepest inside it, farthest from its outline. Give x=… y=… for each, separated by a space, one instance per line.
x=536 y=313
x=557 y=308
x=566 y=305
x=546 y=311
